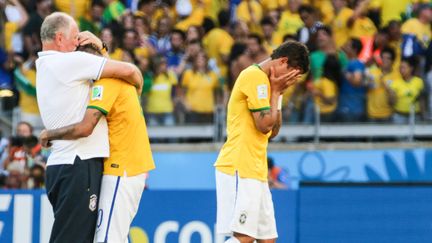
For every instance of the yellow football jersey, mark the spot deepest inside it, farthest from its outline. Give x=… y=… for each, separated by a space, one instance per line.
x=329 y=90
x=159 y=98
x=407 y=94
x=245 y=150
x=200 y=89
x=129 y=143
x=340 y=28
x=378 y=105
x=218 y=43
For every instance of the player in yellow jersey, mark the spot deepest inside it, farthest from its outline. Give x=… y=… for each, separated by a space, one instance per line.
x=244 y=205
x=130 y=155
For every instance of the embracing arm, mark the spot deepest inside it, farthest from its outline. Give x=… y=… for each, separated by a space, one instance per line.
x=74 y=131
x=125 y=71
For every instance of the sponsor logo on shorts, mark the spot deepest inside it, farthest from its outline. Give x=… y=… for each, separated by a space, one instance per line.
x=93 y=202
x=115 y=166
x=243 y=217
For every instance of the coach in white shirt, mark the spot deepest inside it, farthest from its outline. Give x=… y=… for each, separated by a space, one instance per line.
x=74 y=168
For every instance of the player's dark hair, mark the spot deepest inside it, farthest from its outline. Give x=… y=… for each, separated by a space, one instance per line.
x=90 y=48
x=297 y=54
x=390 y=51
x=412 y=61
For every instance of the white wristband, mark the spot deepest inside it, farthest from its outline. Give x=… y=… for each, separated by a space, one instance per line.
x=279 y=107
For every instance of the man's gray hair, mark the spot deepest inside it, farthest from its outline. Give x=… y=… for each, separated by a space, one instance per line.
x=54 y=23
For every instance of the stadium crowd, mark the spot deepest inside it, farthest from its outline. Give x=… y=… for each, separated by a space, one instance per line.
x=371 y=60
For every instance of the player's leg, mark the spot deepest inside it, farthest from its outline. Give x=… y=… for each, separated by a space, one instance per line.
x=120 y=197
x=245 y=220
x=267 y=232
x=225 y=197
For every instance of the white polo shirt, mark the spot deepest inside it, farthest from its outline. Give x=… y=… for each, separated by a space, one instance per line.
x=63 y=85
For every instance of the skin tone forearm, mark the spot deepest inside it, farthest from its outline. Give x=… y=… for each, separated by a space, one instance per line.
x=74 y=131
x=277 y=125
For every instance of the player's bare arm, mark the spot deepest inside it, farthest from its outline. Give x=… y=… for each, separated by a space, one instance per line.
x=74 y=131
x=114 y=69
x=266 y=120
x=125 y=71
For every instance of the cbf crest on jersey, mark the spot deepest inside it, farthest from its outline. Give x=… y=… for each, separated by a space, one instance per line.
x=97 y=92
x=262 y=91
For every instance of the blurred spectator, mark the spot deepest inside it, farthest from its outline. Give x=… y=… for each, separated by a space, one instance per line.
x=25 y=80
x=194 y=32
x=218 y=42
x=31 y=30
x=175 y=55
x=362 y=28
x=270 y=39
x=251 y=13
x=277 y=177
x=254 y=53
x=378 y=79
x=417 y=33
x=93 y=22
x=160 y=39
x=325 y=89
x=406 y=92
x=16 y=159
x=352 y=98
x=307 y=34
x=160 y=104
x=240 y=31
x=113 y=11
x=15 y=180
x=76 y=9
x=16 y=18
x=24 y=129
x=200 y=85
x=340 y=23
x=36 y=178
x=290 y=21
x=32 y=150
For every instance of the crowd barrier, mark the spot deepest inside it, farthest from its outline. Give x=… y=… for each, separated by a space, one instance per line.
x=320 y=212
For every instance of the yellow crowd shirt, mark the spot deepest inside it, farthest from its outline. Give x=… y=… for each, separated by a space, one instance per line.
x=378 y=105
x=10 y=29
x=340 y=28
x=200 y=89
x=75 y=8
x=218 y=43
x=407 y=94
x=289 y=23
x=326 y=10
x=390 y=9
x=28 y=103
x=363 y=27
x=244 y=12
x=420 y=30
x=329 y=90
x=129 y=143
x=159 y=98
x=245 y=150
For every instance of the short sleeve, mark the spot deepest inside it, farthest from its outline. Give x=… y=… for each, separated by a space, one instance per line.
x=85 y=66
x=103 y=94
x=256 y=87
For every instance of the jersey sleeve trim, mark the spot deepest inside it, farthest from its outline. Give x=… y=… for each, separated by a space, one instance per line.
x=260 y=109
x=98 y=108
x=101 y=69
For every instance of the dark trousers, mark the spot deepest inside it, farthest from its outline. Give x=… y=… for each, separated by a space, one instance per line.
x=73 y=191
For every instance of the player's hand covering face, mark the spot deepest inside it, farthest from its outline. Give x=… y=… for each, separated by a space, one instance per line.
x=280 y=82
